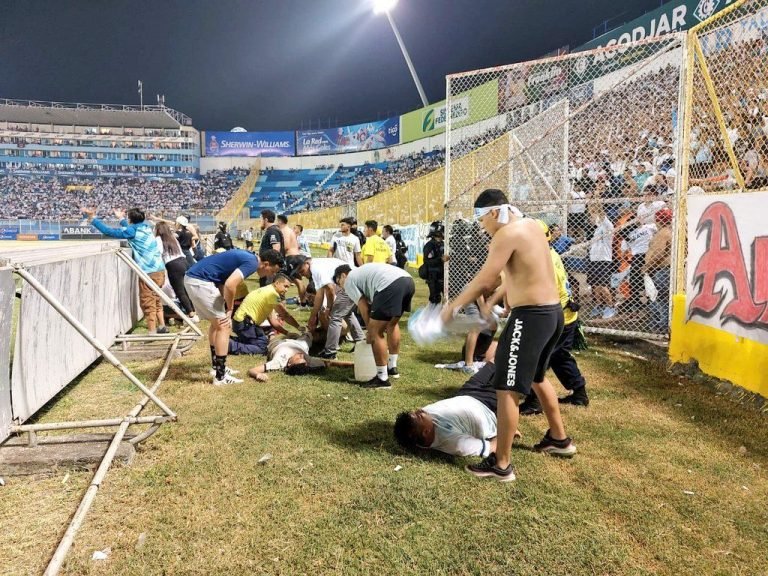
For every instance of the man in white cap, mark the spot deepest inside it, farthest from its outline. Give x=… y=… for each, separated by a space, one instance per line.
x=186 y=239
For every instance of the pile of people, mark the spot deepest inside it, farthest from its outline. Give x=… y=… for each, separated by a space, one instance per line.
x=61 y=199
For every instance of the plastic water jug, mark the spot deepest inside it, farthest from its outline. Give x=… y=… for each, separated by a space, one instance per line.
x=365 y=365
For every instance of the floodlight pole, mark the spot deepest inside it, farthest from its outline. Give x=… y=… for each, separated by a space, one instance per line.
x=407 y=59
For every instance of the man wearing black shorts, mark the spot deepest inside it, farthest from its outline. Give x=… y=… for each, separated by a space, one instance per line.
x=382 y=293
x=519 y=248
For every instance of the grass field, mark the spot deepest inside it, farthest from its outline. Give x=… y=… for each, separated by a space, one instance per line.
x=670 y=479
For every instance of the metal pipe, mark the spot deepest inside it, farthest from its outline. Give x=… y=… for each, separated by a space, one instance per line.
x=153 y=337
x=158 y=290
x=407 y=57
x=85 y=505
x=32 y=428
x=77 y=325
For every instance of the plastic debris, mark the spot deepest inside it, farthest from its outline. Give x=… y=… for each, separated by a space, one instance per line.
x=2 y=482
x=266 y=458
x=742 y=450
x=65 y=479
x=398 y=468
x=140 y=540
x=101 y=554
x=688 y=492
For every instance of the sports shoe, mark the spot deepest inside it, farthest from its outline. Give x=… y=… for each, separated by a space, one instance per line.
x=531 y=406
x=228 y=370
x=577 y=398
x=487 y=468
x=162 y=330
x=377 y=383
x=549 y=445
x=468 y=369
x=195 y=318
x=393 y=373
x=227 y=380
x=326 y=355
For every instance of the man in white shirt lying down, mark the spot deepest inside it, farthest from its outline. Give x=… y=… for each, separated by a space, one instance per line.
x=464 y=425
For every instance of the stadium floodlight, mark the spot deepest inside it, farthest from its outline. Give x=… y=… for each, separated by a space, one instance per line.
x=385 y=7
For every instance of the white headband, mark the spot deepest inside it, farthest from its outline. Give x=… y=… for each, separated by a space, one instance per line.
x=504 y=210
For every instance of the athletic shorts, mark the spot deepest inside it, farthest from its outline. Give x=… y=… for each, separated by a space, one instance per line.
x=393 y=300
x=525 y=346
x=206 y=298
x=599 y=273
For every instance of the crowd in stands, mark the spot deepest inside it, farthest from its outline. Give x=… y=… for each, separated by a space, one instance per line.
x=61 y=199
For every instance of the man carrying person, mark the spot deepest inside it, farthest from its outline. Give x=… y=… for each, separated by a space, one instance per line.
x=382 y=293
x=211 y=285
x=289 y=237
x=464 y=425
x=375 y=249
x=519 y=249
x=255 y=309
x=345 y=246
x=141 y=238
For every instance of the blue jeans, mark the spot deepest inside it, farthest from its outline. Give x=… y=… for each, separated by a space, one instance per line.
x=248 y=339
x=660 y=308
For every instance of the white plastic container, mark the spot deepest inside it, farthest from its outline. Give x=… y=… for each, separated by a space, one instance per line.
x=365 y=365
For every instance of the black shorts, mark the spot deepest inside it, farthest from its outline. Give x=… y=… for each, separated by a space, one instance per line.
x=599 y=273
x=249 y=243
x=393 y=300
x=525 y=346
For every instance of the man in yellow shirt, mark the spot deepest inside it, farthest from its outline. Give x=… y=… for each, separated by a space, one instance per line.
x=375 y=248
x=562 y=362
x=257 y=307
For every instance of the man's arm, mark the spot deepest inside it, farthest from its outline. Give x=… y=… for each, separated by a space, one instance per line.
x=316 y=305
x=364 y=307
x=339 y=363
x=230 y=289
x=358 y=260
x=282 y=311
x=331 y=250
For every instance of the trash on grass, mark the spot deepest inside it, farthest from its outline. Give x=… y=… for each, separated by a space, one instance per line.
x=398 y=468
x=688 y=492
x=101 y=554
x=266 y=458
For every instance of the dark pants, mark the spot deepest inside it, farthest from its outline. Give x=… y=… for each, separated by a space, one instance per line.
x=435 y=284
x=248 y=339
x=563 y=363
x=189 y=258
x=176 y=270
x=636 y=282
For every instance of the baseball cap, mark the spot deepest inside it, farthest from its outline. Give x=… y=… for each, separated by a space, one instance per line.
x=294 y=263
x=182 y=221
x=664 y=216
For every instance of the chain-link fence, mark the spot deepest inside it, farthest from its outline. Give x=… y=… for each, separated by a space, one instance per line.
x=585 y=142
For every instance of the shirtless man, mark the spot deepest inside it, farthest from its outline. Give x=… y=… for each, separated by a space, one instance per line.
x=519 y=249
x=289 y=236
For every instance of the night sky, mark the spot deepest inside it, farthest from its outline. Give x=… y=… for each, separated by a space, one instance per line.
x=276 y=64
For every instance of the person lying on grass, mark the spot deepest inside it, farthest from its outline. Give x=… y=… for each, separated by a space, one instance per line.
x=464 y=425
x=291 y=355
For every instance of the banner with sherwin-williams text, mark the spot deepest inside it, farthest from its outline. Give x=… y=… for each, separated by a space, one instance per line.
x=353 y=138
x=264 y=144
x=474 y=105
x=727 y=264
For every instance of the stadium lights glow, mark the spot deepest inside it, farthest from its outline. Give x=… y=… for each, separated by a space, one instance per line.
x=383 y=6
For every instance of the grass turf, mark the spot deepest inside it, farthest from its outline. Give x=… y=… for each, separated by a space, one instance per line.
x=330 y=501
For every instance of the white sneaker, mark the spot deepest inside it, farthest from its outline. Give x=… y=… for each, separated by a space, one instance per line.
x=227 y=380
x=195 y=318
x=229 y=371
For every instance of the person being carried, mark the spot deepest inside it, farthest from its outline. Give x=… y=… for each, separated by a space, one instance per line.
x=464 y=425
x=257 y=307
x=382 y=293
x=518 y=248
x=211 y=285
x=291 y=355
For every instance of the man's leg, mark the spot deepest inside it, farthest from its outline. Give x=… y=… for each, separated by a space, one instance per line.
x=147 y=304
x=377 y=329
x=566 y=369
x=548 y=399
x=393 y=345
x=508 y=419
x=338 y=312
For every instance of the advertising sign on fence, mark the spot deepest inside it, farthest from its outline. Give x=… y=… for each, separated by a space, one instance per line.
x=80 y=232
x=8 y=233
x=354 y=138
x=48 y=237
x=727 y=284
x=249 y=144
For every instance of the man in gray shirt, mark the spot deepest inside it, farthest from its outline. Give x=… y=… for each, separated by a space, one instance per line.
x=382 y=293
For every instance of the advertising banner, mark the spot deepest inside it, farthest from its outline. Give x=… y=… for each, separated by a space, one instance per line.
x=479 y=103
x=48 y=237
x=673 y=16
x=353 y=138
x=8 y=233
x=80 y=232
x=727 y=266
x=249 y=144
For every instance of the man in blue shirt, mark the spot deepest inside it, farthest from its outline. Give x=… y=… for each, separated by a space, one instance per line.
x=146 y=253
x=211 y=285
x=559 y=242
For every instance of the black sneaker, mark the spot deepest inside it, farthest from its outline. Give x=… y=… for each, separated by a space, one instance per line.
x=393 y=373
x=326 y=355
x=577 y=398
x=162 y=330
x=549 y=445
x=531 y=406
x=377 y=383
x=487 y=468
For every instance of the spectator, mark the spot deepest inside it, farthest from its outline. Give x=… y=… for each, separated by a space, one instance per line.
x=387 y=233
x=248 y=237
x=657 y=266
x=600 y=267
x=222 y=240
x=375 y=248
x=298 y=229
x=345 y=246
x=175 y=266
x=289 y=237
x=186 y=239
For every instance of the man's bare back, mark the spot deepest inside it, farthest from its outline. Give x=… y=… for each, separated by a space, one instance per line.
x=290 y=241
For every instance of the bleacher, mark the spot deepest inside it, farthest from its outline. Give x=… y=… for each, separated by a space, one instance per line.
x=278 y=189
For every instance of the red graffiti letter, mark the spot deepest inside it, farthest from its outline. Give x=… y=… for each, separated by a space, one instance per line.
x=722 y=259
x=760 y=272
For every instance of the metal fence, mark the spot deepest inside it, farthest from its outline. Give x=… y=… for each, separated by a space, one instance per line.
x=588 y=146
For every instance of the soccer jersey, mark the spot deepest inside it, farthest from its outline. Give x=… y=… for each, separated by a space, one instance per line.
x=218 y=267
x=258 y=305
x=377 y=247
x=345 y=248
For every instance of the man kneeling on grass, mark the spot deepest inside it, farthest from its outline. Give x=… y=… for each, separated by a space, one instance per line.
x=292 y=356
x=382 y=293
x=464 y=425
x=259 y=306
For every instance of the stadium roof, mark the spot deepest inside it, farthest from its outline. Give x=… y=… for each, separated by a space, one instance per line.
x=65 y=114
